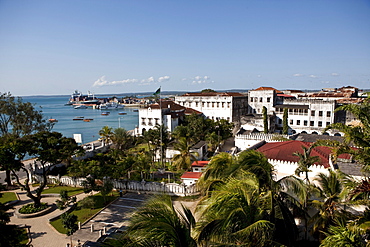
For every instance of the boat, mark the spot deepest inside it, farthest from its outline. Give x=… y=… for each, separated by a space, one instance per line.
x=88 y=119
x=122 y=113
x=53 y=120
x=80 y=107
x=79 y=118
x=105 y=113
x=110 y=106
x=77 y=98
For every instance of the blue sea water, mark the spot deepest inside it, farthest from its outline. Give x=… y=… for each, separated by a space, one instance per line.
x=54 y=107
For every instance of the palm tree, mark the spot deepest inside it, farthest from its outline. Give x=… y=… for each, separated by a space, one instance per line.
x=217 y=172
x=305 y=161
x=121 y=139
x=185 y=158
x=235 y=214
x=332 y=192
x=358 y=134
x=106 y=134
x=159 y=223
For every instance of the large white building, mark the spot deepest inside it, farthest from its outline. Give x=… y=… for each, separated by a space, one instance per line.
x=216 y=106
x=307 y=113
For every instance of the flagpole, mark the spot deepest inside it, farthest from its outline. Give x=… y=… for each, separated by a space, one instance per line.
x=162 y=125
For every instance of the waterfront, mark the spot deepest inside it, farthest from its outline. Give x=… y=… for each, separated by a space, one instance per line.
x=54 y=107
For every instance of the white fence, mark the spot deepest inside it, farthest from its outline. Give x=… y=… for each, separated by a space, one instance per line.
x=133 y=186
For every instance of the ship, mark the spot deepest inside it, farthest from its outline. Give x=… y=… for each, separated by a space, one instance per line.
x=77 y=98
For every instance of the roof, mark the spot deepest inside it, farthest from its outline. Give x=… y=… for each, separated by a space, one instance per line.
x=199 y=145
x=285 y=95
x=189 y=111
x=214 y=94
x=200 y=163
x=267 y=88
x=284 y=151
x=312 y=138
x=191 y=175
x=167 y=104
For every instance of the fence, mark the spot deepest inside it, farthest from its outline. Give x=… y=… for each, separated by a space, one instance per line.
x=133 y=186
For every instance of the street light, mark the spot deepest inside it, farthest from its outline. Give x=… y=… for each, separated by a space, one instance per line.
x=119 y=122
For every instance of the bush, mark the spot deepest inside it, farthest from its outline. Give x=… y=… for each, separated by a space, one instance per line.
x=30 y=208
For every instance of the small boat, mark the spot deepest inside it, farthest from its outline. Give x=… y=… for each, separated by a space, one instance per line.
x=88 y=119
x=80 y=107
x=105 y=113
x=79 y=118
x=122 y=113
x=53 y=120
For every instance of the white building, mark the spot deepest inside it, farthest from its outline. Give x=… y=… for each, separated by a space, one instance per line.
x=216 y=106
x=167 y=113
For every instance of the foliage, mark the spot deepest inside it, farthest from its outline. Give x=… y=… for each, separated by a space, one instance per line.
x=185 y=158
x=69 y=222
x=65 y=200
x=30 y=208
x=265 y=120
x=106 y=134
x=208 y=90
x=159 y=223
x=106 y=188
x=285 y=122
x=305 y=161
x=12 y=235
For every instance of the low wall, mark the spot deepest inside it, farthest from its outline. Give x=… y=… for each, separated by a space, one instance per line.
x=135 y=186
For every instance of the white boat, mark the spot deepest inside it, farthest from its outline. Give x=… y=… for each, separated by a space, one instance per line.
x=110 y=106
x=80 y=107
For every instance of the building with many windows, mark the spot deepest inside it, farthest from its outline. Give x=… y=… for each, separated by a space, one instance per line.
x=216 y=106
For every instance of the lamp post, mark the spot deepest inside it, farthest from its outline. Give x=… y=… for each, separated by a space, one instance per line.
x=119 y=122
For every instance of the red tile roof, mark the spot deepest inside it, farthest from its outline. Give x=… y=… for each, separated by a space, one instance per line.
x=200 y=163
x=267 y=88
x=167 y=104
x=284 y=151
x=194 y=175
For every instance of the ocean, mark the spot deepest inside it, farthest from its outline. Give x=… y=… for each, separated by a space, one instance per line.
x=54 y=107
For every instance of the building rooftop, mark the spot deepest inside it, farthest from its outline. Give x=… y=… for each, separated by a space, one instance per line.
x=191 y=175
x=214 y=94
x=200 y=163
x=267 y=88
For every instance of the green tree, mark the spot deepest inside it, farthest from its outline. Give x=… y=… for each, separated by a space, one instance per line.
x=265 y=120
x=50 y=149
x=106 y=188
x=285 y=122
x=17 y=119
x=69 y=222
x=185 y=157
x=358 y=134
x=332 y=193
x=121 y=139
x=305 y=161
x=106 y=134
x=159 y=223
x=208 y=90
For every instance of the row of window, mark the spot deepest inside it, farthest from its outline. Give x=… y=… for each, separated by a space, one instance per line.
x=255 y=99
x=210 y=104
x=150 y=121
x=303 y=112
x=305 y=123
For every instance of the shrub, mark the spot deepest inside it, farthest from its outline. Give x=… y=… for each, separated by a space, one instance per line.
x=30 y=208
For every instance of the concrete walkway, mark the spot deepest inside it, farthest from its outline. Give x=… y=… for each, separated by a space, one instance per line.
x=42 y=233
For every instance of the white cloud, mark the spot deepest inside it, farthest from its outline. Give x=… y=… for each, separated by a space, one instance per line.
x=297 y=75
x=103 y=82
x=313 y=76
x=200 y=79
x=325 y=82
x=163 y=78
x=334 y=74
x=259 y=76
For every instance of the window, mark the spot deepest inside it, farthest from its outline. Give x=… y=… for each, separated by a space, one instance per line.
x=291 y=122
x=218 y=104
x=213 y=104
x=320 y=124
x=223 y=104
x=207 y=104
x=251 y=99
x=305 y=122
x=280 y=121
x=298 y=122
x=150 y=121
x=202 y=104
x=328 y=113
x=268 y=99
x=196 y=104
x=261 y=99
x=312 y=113
x=320 y=113
x=312 y=123
x=143 y=120
x=327 y=123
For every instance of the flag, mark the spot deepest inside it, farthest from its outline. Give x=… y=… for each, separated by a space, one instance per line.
x=157 y=92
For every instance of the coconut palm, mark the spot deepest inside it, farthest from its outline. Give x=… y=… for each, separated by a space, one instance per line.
x=106 y=134
x=235 y=214
x=305 y=161
x=332 y=193
x=121 y=139
x=358 y=134
x=159 y=223
x=185 y=158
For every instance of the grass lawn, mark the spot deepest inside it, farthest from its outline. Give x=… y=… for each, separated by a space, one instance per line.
x=56 y=190
x=83 y=213
x=7 y=197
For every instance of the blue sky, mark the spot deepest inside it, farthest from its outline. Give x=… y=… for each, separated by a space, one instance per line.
x=118 y=46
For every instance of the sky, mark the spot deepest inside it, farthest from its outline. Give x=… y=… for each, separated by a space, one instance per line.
x=53 y=47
